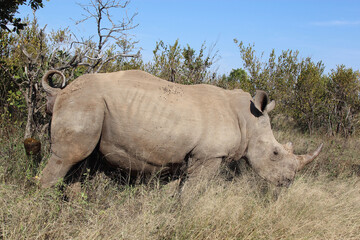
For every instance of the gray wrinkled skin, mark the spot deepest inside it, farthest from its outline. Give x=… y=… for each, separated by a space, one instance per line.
x=146 y=124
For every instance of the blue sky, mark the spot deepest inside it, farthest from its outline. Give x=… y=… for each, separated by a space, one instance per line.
x=323 y=30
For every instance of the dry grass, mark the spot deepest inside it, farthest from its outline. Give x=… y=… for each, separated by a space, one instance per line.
x=312 y=208
x=322 y=203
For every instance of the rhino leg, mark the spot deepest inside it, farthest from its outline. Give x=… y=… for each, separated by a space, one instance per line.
x=73 y=140
x=53 y=171
x=59 y=164
x=201 y=172
x=207 y=169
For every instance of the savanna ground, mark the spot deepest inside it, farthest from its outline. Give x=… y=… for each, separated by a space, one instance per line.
x=322 y=203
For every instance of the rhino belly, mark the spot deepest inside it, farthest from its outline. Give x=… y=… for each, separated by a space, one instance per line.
x=137 y=161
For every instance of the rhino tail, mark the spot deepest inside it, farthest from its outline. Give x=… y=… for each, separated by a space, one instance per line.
x=45 y=82
x=51 y=91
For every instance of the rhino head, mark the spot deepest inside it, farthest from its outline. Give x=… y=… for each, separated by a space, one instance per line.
x=271 y=160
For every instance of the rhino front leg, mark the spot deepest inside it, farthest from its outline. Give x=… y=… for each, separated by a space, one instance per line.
x=207 y=169
x=201 y=172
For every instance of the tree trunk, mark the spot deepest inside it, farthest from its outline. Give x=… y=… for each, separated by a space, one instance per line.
x=29 y=129
x=31 y=104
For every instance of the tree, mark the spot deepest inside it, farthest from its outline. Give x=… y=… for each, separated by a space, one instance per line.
x=308 y=106
x=277 y=76
x=283 y=75
x=8 y=90
x=253 y=65
x=127 y=46
x=344 y=91
x=195 y=66
x=166 y=61
x=8 y=10
x=111 y=35
x=237 y=79
x=24 y=67
x=181 y=65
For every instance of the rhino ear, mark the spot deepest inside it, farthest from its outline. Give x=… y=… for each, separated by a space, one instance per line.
x=261 y=100
x=270 y=106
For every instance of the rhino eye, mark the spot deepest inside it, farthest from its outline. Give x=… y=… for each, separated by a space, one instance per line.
x=275 y=156
x=276 y=152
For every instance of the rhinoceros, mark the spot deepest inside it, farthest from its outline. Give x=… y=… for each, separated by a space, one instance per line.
x=142 y=123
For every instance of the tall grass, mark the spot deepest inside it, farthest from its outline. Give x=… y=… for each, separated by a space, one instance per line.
x=322 y=203
x=312 y=208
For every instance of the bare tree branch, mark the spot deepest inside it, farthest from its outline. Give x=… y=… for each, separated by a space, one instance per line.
x=108 y=30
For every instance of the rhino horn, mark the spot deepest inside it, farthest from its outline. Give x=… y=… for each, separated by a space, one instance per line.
x=289 y=147
x=305 y=159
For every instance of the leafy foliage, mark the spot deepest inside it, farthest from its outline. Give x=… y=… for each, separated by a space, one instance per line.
x=238 y=78
x=344 y=93
x=8 y=10
x=309 y=99
x=25 y=64
x=302 y=91
x=181 y=64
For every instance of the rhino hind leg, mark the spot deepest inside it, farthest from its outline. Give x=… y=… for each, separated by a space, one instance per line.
x=62 y=159
x=54 y=170
x=73 y=141
x=59 y=164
